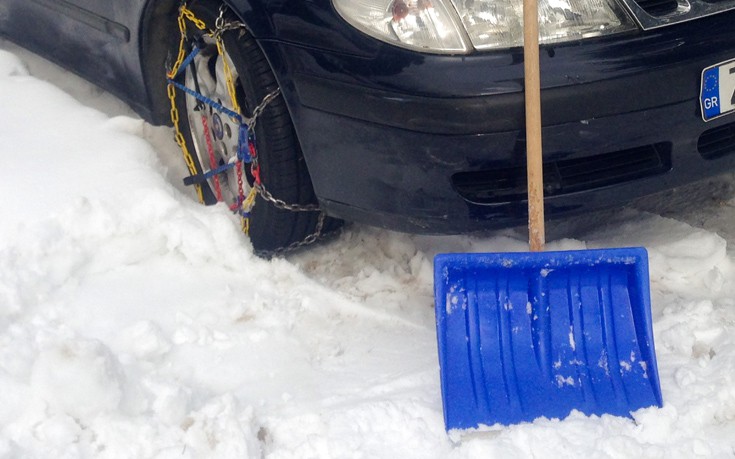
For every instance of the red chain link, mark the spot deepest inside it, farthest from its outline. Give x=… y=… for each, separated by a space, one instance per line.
x=237 y=206
x=255 y=166
x=212 y=160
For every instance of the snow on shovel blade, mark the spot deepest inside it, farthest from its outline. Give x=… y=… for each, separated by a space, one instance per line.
x=526 y=335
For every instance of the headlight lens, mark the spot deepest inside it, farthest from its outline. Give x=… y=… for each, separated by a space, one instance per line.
x=428 y=25
x=455 y=26
x=493 y=24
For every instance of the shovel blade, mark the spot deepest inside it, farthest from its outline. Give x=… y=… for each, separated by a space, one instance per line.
x=529 y=335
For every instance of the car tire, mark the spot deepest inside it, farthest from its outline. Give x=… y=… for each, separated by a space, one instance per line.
x=283 y=170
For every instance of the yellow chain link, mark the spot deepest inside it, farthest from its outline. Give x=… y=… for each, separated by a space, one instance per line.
x=190 y=16
x=181 y=142
x=184 y=13
x=250 y=200
x=228 y=75
x=248 y=203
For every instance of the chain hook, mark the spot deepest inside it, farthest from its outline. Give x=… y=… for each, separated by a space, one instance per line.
x=219 y=23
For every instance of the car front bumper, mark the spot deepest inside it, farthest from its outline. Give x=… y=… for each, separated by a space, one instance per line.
x=435 y=144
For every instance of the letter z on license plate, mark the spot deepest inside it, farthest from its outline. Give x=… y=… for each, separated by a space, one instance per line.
x=718 y=90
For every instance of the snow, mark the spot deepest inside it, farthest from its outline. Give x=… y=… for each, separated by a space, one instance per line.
x=135 y=322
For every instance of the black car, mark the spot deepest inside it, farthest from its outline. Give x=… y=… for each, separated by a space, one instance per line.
x=407 y=114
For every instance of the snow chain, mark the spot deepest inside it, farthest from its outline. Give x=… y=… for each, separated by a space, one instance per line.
x=247 y=152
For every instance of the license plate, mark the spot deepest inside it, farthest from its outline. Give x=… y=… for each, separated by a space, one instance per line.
x=717 y=96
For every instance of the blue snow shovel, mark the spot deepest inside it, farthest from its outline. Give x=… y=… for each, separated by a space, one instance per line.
x=526 y=335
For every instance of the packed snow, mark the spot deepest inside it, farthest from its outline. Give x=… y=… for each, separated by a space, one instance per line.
x=136 y=323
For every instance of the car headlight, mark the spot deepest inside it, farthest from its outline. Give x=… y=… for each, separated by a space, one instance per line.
x=428 y=25
x=457 y=26
x=499 y=23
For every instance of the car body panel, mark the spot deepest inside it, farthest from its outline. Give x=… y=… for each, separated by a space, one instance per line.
x=97 y=40
x=384 y=141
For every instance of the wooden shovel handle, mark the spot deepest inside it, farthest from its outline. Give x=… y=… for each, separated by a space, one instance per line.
x=534 y=168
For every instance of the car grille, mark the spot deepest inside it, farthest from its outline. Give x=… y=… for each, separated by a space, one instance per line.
x=651 y=14
x=717 y=142
x=508 y=184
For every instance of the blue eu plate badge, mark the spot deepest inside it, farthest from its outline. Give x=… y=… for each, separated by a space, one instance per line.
x=717 y=96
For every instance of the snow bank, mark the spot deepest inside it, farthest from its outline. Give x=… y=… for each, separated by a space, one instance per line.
x=136 y=323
